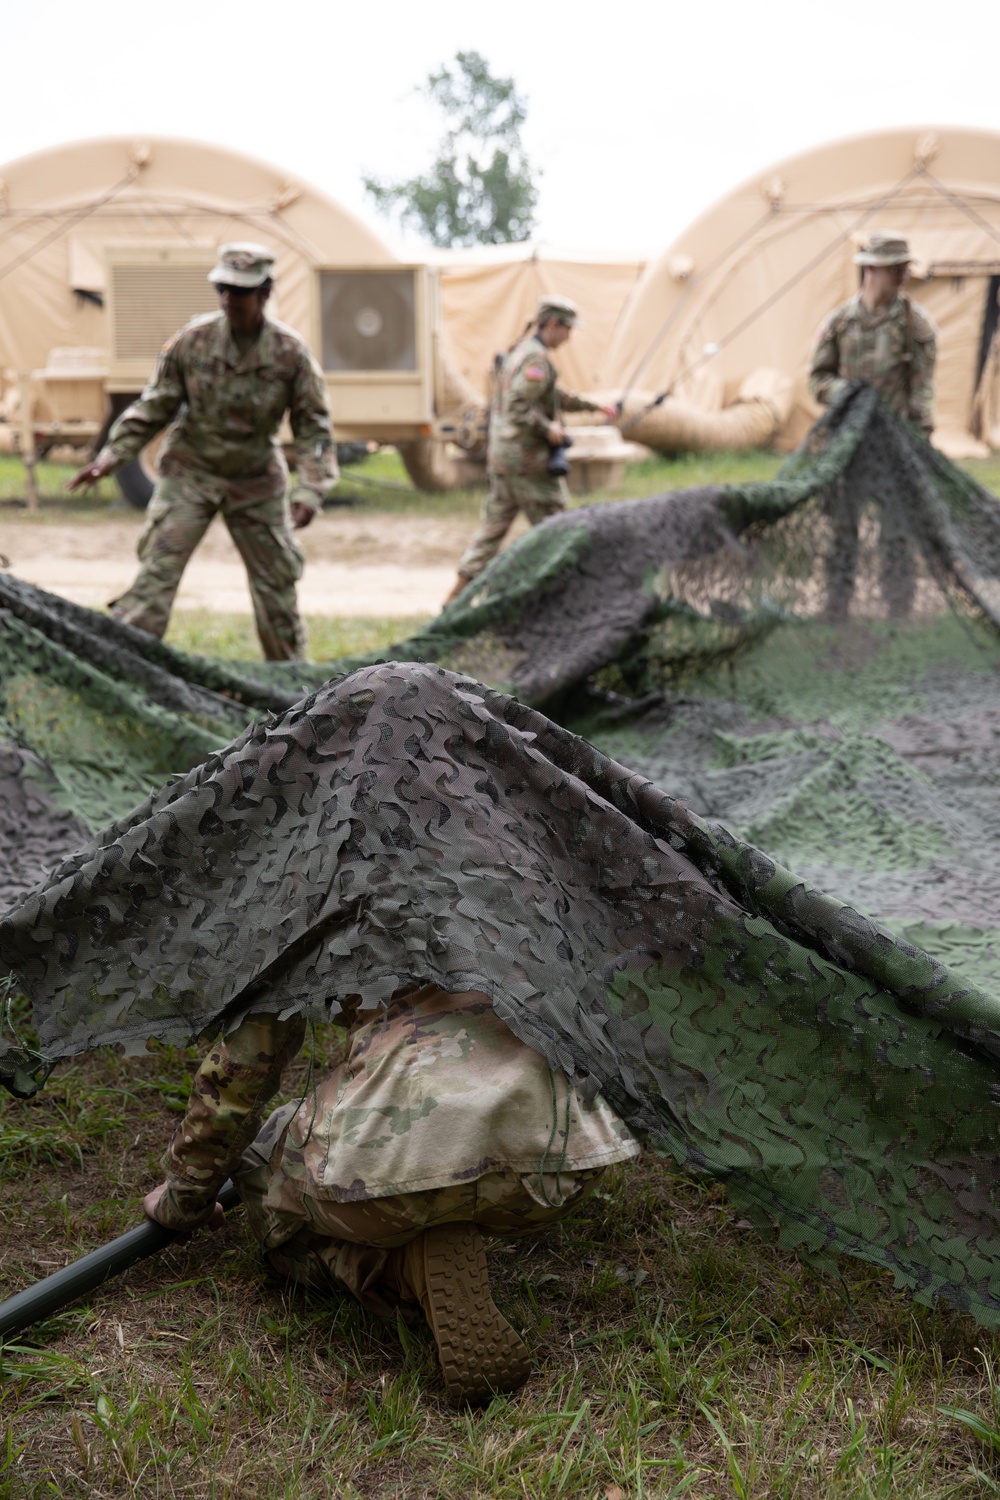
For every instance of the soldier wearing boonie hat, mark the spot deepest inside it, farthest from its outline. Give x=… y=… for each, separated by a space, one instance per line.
x=884 y=249
x=223 y=385
x=525 y=431
x=562 y=309
x=883 y=338
x=243 y=265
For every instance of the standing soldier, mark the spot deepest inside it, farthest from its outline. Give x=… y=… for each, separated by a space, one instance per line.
x=223 y=384
x=879 y=336
x=522 y=465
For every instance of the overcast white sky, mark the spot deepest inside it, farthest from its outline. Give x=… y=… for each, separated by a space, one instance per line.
x=639 y=114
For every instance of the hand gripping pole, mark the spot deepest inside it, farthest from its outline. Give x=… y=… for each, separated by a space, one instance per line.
x=74 y=1281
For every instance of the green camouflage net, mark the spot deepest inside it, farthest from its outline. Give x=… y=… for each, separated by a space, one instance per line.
x=633 y=918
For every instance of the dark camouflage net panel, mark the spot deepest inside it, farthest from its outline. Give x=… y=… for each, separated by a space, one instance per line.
x=405 y=823
x=838 y=1074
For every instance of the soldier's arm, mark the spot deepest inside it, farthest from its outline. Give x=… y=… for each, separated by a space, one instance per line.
x=529 y=384
x=570 y=401
x=155 y=409
x=316 y=470
x=825 y=379
x=224 y=1113
x=924 y=355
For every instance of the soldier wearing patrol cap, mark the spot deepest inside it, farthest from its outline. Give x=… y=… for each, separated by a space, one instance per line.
x=223 y=385
x=524 y=430
x=881 y=337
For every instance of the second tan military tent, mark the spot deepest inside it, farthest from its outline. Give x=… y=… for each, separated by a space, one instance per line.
x=725 y=318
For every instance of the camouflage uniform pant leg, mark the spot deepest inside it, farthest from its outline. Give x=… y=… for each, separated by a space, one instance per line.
x=843 y=510
x=179 y=514
x=259 y=525
x=324 y=1244
x=897 y=563
x=538 y=495
x=542 y=497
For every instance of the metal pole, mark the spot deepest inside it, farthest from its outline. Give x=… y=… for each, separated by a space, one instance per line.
x=74 y=1281
x=27 y=438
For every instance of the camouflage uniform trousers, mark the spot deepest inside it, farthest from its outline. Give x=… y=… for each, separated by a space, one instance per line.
x=180 y=512
x=537 y=495
x=897 y=563
x=323 y=1243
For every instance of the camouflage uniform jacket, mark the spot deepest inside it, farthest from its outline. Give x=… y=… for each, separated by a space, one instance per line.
x=224 y=409
x=526 y=400
x=435 y=1091
x=893 y=349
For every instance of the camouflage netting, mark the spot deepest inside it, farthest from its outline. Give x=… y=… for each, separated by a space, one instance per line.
x=407 y=822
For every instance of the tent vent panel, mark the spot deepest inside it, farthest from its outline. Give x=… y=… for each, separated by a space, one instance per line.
x=152 y=301
x=368 y=320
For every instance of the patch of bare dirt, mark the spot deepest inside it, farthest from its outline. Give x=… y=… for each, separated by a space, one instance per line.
x=356 y=564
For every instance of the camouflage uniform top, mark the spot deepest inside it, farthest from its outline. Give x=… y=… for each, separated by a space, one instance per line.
x=435 y=1091
x=225 y=408
x=526 y=400
x=893 y=349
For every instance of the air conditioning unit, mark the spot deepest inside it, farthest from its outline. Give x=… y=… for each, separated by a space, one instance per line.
x=151 y=291
x=374 y=336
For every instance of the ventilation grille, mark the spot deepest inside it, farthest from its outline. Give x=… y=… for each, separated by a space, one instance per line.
x=152 y=301
x=368 y=320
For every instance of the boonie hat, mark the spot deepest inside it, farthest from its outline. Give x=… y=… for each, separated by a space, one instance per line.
x=558 y=307
x=243 y=265
x=883 y=248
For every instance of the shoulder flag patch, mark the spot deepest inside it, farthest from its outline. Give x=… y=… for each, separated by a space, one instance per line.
x=534 y=372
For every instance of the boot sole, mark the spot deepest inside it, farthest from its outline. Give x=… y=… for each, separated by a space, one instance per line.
x=480 y=1353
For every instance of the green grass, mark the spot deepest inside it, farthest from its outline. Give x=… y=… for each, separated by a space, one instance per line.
x=675 y=1353
x=208 y=634
x=55 y=501
x=380 y=485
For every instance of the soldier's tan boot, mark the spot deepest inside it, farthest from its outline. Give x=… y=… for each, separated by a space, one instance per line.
x=461 y=582
x=444 y=1269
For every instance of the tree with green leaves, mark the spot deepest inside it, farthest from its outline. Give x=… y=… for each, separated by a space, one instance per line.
x=479 y=189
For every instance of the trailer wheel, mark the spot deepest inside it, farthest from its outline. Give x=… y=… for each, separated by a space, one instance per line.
x=135 y=484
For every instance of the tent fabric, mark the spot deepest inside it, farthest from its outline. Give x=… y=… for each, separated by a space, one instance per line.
x=486 y=300
x=756 y=274
x=957 y=249
x=405 y=821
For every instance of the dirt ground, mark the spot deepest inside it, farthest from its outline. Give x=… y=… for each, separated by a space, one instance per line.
x=357 y=564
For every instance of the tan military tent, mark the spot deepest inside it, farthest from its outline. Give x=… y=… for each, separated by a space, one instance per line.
x=736 y=301
x=62 y=209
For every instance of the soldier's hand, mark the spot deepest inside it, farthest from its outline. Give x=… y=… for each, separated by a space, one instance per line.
x=152 y=1201
x=611 y=413
x=557 y=434
x=302 y=514
x=90 y=474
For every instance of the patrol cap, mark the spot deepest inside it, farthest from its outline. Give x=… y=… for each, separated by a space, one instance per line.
x=560 y=308
x=243 y=265
x=882 y=248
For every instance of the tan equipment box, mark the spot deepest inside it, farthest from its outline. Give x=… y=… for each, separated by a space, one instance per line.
x=152 y=290
x=374 y=332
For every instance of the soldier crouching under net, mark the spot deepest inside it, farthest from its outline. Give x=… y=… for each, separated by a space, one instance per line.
x=525 y=431
x=879 y=336
x=439 y=1124
x=223 y=385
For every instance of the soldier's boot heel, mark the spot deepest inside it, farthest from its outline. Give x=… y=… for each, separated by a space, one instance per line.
x=480 y=1352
